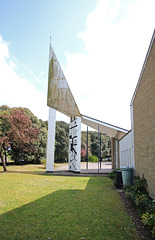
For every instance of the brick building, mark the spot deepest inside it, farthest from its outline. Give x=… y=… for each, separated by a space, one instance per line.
x=142 y=140
x=143 y=107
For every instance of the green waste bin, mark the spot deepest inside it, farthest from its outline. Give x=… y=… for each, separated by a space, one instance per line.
x=119 y=182
x=127 y=176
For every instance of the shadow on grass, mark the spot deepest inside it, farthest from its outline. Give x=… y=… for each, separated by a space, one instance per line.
x=92 y=213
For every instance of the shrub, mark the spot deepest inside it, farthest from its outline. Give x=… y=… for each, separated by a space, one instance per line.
x=112 y=174
x=93 y=158
x=140 y=185
x=138 y=192
x=130 y=193
x=149 y=220
x=143 y=201
x=139 y=196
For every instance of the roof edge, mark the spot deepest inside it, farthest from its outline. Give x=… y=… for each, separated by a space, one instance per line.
x=125 y=134
x=109 y=125
x=143 y=68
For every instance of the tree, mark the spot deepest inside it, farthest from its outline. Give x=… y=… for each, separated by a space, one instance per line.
x=3 y=145
x=83 y=154
x=41 y=143
x=18 y=133
x=94 y=144
x=61 y=141
x=83 y=150
x=4 y=127
x=22 y=135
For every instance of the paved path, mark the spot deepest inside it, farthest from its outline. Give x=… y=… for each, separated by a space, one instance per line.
x=106 y=167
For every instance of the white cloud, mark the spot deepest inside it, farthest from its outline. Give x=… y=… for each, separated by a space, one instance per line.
x=17 y=91
x=116 y=38
x=4 y=52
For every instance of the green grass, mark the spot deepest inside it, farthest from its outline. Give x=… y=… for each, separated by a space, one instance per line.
x=34 y=205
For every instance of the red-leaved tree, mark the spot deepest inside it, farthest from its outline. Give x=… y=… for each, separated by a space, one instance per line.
x=83 y=154
x=22 y=135
x=18 y=133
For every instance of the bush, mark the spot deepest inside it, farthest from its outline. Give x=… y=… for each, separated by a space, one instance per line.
x=138 y=192
x=141 y=185
x=143 y=202
x=149 y=220
x=112 y=175
x=139 y=196
x=93 y=158
x=130 y=193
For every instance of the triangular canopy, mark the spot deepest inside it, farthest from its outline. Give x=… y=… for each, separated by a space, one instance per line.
x=60 y=96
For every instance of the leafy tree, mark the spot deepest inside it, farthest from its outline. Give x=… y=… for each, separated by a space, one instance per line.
x=83 y=150
x=83 y=154
x=94 y=144
x=4 y=140
x=26 y=135
x=83 y=144
x=18 y=133
x=41 y=143
x=64 y=125
x=22 y=135
x=61 y=141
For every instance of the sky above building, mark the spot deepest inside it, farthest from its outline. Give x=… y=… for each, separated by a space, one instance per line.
x=100 y=45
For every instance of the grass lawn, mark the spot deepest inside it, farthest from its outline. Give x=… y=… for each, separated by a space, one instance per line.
x=34 y=205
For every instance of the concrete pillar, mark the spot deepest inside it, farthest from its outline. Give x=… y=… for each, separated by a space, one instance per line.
x=74 y=161
x=51 y=140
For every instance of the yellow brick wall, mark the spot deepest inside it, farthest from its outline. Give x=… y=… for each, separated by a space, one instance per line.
x=144 y=124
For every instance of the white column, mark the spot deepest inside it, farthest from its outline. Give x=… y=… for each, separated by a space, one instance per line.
x=74 y=160
x=51 y=140
x=79 y=144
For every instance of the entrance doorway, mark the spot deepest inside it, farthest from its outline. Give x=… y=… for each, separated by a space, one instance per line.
x=95 y=151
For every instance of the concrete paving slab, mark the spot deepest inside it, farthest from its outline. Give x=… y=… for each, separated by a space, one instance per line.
x=92 y=170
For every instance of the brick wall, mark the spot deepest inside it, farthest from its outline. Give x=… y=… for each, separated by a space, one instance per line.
x=144 y=124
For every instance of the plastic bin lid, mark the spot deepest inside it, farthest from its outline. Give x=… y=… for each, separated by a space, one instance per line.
x=127 y=169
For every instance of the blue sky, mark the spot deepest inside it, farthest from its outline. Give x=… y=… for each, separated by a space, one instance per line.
x=28 y=25
x=101 y=46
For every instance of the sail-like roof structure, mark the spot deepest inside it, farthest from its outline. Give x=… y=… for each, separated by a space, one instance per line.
x=60 y=96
